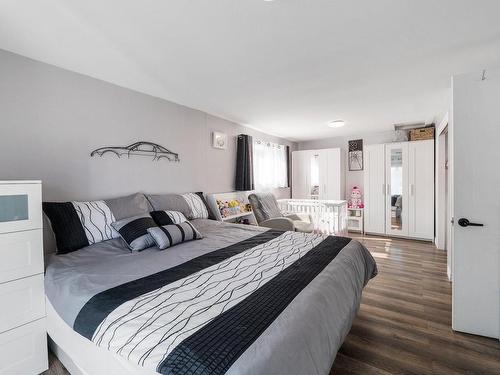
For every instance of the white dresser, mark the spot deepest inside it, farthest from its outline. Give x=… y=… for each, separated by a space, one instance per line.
x=23 y=338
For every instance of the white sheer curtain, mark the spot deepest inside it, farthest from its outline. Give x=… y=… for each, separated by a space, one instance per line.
x=269 y=165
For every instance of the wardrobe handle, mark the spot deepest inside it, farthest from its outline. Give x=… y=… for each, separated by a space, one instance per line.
x=412 y=190
x=383 y=189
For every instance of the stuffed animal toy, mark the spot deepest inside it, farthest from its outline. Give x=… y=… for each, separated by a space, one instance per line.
x=355 y=201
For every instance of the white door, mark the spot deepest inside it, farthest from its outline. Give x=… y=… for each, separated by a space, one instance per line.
x=374 y=186
x=300 y=174
x=396 y=179
x=421 y=189
x=475 y=131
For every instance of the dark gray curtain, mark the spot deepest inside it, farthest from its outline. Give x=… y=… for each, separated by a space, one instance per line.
x=244 y=163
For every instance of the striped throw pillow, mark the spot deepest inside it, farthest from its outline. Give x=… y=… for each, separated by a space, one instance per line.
x=134 y=231
x=170 y=235
x=162 y=218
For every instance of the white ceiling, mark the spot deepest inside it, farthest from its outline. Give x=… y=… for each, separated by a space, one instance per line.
x=286 y=67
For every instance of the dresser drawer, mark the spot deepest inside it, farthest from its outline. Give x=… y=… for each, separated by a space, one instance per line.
x=22 y=301
x=24 y=350
x=21 y=254
x=20 y=207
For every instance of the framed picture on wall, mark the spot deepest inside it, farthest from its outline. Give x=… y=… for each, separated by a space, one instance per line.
x=219 y=140
x=356 y=155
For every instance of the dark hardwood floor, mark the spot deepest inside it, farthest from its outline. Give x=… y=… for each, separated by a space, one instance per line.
x=404 y=323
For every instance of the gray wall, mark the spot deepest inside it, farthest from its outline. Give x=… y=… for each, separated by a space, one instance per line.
x=50 y=120
x=353 y=178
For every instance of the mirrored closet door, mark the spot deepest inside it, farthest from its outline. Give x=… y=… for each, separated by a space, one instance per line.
x=314 y=178
x=396 y=189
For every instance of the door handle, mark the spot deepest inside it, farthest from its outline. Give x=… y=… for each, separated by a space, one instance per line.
x=463 y=222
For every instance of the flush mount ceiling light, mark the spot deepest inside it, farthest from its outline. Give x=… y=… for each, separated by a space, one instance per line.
x=336 y=124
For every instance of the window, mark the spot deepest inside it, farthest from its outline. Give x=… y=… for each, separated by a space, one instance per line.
x=269 y=165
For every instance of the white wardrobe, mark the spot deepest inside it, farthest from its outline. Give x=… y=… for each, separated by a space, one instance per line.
x=399 y=189
x=318 y=174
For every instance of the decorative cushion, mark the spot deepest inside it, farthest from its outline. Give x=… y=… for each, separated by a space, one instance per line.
x=168 y=217
x=197 y=205
x=134 y=231
x=170 y=235
x=129 y=206
x=79 y=224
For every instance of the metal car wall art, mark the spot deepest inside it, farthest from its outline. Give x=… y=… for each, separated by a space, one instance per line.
x=139 y=149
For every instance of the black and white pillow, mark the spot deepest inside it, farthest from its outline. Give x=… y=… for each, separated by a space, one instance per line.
x=170 y=235
x=168 y=217
x=96 y=218
x=197 y=205
x=134 y=231
x=79 y=224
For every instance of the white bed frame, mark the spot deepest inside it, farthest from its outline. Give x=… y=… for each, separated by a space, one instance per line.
x=81 y=356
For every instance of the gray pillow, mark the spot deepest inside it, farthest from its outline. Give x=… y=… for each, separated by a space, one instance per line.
x=170 y=235
x=129 y=206
x=191 y=205
x=169 y=202
x=134 y=231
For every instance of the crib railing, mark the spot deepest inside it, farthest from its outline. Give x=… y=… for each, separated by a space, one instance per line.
x=328 y=216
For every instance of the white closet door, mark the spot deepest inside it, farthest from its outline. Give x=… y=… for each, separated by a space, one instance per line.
x=396 y=179
x=321 y=168
x=300 y=174
x=421 y=189
x=333 y=171
x=374 y=188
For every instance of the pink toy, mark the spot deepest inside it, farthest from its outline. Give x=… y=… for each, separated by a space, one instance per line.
x=355 y=201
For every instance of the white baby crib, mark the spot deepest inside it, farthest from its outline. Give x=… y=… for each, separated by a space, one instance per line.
x=328 y=216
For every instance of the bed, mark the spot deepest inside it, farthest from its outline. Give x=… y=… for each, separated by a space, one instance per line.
x=242 y=300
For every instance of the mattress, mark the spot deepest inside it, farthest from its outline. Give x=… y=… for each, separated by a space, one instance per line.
x=243 y=300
